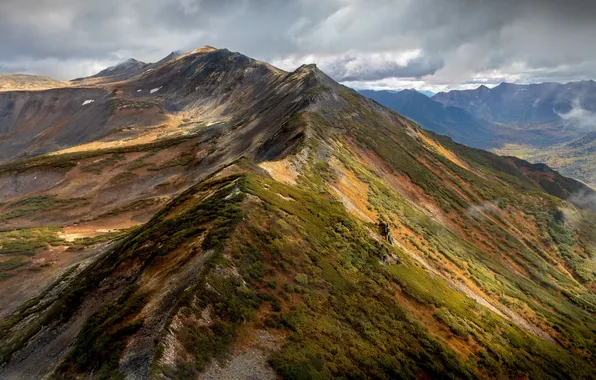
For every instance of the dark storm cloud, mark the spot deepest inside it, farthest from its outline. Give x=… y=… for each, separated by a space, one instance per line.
x=443 y=42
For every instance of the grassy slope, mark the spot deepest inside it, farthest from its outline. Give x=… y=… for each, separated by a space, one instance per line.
x=522 y=226
x=298 y=263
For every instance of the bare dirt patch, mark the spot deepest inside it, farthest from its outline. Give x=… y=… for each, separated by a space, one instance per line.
x=353 y=193
x=249 y=358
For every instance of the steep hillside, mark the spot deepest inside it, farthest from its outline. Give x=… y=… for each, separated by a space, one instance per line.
x=446 y=120
x=315 y=234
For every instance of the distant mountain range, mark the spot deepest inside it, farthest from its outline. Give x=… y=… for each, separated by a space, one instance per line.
x=521 y=120
x=454 y=122
x=530 y=104
x=430 y=94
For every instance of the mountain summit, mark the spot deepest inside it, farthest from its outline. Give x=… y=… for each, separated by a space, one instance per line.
x=127 y=67
x=228 y=219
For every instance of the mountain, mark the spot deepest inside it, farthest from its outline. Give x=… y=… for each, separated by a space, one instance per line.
x=33 y=123
x=430 y=94
x=540 y=103
x=124 y=69
x=20 y=82
x=452 y=121
x=282 y=225
x=537 y=114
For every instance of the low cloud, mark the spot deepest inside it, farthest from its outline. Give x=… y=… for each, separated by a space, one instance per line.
x=584 y=199
x=357 y=66
x=579 y=117
x=480 y=211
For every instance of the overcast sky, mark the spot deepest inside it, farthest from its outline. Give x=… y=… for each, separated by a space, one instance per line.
x=425 y=44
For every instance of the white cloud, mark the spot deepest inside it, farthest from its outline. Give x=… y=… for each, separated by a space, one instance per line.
x=454 y=43
x=584 y=199
x=372 y=66
x=578 y=117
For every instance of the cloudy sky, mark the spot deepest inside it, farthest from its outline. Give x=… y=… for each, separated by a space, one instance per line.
x=424 y=44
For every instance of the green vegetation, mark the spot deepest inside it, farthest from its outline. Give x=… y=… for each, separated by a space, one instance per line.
x=120 y=103
x=574 y=159
x=82 y=243
x=437 y=243
x=141 y=162
x=12 y=263
x=102 y=339
x=182 y=160
x=122 y=178
x=34 y=205
x=100 y=165
x=28 y=240
x=69 y=160
x=353 y=306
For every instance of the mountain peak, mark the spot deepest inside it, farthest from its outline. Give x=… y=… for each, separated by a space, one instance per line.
x=127 y=63
x=172 y=55
x=312 y=72
x=204 y=49
x=308 y=66
x=124 y=67
x=505 y=85
x=307 y=69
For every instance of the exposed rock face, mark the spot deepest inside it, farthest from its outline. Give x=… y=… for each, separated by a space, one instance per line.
x=386 y=232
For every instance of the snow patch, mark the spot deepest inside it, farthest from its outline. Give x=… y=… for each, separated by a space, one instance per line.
x=155 y=90
x=88 y=101
x=139 y=90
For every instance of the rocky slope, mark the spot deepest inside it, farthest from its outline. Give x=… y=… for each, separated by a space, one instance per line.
x=305 y=232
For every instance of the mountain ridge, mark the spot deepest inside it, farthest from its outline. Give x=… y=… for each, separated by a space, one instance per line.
x=300 y=228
